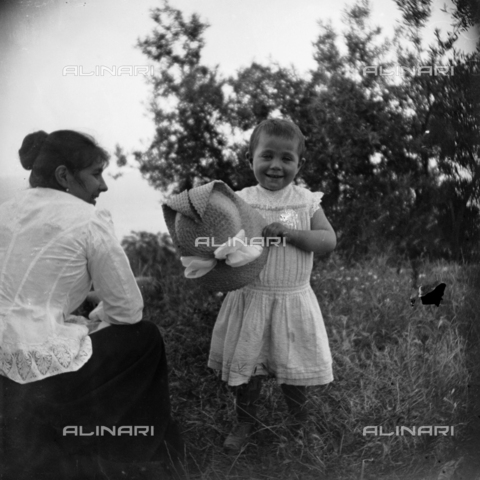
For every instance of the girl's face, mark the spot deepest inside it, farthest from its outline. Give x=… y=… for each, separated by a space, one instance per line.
x=275 y=161
x=90 y=183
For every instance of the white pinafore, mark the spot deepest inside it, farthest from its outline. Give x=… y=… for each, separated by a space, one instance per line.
x=274 y=325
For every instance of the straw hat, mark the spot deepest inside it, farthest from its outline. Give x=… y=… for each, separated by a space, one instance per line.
x=202 y=219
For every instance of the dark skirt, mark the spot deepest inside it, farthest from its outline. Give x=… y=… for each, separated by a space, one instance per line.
x=47 y=426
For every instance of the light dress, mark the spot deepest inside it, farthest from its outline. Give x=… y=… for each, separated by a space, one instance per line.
x=53 y=245
x=274 y=326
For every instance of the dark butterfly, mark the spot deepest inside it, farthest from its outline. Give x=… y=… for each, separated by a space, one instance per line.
x=431 y=294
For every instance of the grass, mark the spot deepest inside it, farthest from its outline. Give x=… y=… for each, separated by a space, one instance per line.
x=394 y=365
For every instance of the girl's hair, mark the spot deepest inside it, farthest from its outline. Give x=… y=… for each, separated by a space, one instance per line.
x=43 y=153
x=280 y=128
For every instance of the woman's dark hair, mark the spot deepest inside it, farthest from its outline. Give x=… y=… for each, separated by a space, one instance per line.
x=43 y=153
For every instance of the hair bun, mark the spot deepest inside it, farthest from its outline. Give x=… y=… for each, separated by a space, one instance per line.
x=31 y=147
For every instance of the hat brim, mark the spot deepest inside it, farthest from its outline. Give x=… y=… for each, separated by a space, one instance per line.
x=222 y=278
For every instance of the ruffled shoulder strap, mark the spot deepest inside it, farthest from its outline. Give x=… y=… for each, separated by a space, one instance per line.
x=314 y=201
x=247 y=194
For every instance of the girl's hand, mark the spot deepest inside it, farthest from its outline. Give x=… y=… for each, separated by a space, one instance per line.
x=274 y=230
x=320 y=239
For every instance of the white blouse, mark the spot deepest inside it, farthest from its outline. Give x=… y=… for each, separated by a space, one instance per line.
x=52 y=247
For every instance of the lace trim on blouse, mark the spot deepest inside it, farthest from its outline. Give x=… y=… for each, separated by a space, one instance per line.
x=35 y=363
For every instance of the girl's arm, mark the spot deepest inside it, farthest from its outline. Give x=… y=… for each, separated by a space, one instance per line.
x=321 y=239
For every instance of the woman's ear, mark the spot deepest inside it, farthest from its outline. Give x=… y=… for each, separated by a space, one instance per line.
x=61 y=175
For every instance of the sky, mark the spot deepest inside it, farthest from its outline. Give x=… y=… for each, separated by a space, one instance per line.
x=43 y=42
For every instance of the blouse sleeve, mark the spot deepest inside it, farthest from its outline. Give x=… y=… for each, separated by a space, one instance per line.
x=315 y=200
x=111 y=273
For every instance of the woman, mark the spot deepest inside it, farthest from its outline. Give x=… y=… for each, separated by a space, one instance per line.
x=65 y=394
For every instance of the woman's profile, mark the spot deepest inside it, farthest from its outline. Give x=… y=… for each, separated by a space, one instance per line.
x=70 y=397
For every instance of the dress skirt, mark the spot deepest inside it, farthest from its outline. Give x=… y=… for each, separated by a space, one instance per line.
x=274 y=326
x=116 y=407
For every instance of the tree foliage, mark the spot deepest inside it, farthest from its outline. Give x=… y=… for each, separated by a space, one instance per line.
x=189 y=106
x=397 y=154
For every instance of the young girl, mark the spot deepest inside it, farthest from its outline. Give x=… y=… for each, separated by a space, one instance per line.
x=274 y=326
